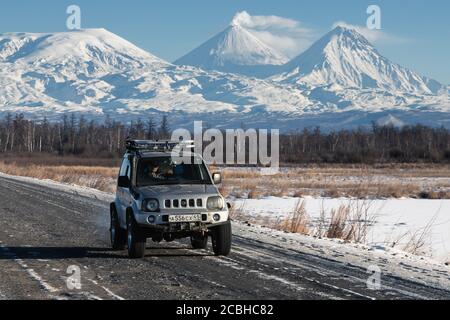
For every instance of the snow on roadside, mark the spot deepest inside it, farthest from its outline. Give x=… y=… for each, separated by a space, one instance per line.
x=390 y=262
x=396 y=220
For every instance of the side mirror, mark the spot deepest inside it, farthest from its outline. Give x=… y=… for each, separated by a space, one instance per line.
x=217 y=178
x=124 y=182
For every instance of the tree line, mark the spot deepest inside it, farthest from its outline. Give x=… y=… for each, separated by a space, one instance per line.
x=76 y=135
x=377 y=144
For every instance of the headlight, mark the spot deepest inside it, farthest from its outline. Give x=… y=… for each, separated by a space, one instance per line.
x=151 y=205
x=215 y=203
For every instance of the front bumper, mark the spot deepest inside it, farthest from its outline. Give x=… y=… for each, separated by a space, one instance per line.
x=161 y=220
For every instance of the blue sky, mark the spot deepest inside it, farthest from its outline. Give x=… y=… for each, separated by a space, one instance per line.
x=414 y=33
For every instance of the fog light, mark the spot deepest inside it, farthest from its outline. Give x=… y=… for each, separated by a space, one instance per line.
x=216 y=217
x=151 y=219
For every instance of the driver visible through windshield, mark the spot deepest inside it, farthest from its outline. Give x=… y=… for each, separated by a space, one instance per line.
x=163 y=171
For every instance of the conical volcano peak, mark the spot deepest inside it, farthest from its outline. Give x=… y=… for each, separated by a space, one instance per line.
x=342 y=29
x=345 y=57
x=236 y=50
x=348 y=35
x=235 y=24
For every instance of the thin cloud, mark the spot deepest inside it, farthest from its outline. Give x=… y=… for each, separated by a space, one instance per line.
x=374 y=36
x=288 y=36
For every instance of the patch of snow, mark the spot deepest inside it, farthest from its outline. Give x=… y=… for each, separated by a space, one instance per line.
x=396 y=220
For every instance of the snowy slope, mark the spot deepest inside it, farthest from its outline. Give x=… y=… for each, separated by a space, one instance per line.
x=91 y=48
x=234 y=50
x=97 y=72
x=345 y=57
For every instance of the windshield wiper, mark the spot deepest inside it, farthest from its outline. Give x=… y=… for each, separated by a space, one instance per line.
x=196 y=182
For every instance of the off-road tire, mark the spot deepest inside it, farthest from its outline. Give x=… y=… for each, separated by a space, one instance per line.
x=221 y=239
x=118 y=236
x=135 y=240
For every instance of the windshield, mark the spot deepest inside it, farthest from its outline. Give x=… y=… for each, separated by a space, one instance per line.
x=164 y=171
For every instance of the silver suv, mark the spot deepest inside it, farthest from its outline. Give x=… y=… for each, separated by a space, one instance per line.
x=166 y=192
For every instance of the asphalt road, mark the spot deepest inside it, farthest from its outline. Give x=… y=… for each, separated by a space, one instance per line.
x=45 y=230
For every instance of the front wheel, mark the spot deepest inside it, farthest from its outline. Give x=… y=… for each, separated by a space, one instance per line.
x=118 y=236
x=221 y=239
x=135 y=239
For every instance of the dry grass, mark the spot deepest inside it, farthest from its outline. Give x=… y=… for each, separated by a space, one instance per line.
x=338 y=228
x=55 y=160
x=362 y=182
x=237 y=213
x=415 y=242
x=350 y=222
x=101 y=178
x=253 y=193
x=410 y=181
x=298 y=222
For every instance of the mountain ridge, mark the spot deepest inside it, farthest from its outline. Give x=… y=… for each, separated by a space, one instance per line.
x=96 y=73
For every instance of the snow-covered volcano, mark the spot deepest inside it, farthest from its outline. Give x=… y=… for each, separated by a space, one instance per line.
x=346 y=58
x=234 y=50
x=89 y=51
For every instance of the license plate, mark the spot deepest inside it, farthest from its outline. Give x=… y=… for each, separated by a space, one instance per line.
x=186 y=218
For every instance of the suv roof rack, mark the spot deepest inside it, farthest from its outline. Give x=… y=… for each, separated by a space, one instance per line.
x=158 y=145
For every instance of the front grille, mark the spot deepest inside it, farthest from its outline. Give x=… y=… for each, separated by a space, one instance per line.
x=183 y=203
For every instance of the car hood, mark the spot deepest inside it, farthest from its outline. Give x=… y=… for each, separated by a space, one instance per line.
x=178 y=190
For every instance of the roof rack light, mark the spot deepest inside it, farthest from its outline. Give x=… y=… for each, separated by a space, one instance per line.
x=158 y=145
